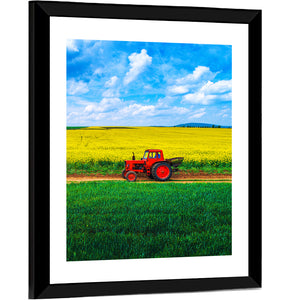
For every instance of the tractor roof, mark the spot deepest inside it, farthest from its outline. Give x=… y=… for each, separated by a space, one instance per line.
x=154 y=150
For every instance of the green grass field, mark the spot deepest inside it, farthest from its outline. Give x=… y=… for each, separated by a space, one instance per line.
x=113 y=168
x=122 y=220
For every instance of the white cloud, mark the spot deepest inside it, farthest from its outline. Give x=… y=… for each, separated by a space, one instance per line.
x=110 y=102
x=71 y=46
x=134 y=110
x=71 y=115
x=226 y=97
x=198 y=98
x=165 y=102
x=223 y=111
x=179 y=110
x=171 y=112
x=138 y=63
x=178 y=89
x=198 y=72
x=218 y=87
x=110 y=93
x=105 y=104
x=137 y=109
x=95 y=116
x=77 y=87
x=198 y=114
x=206 y=86
x=111 y=82
x=98 y=71
x=196 y=75
x=220 y=90
x=112 y=110
x=90 y=108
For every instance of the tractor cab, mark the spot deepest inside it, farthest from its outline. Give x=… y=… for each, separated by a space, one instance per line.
x=153 y=154
x=146 y=154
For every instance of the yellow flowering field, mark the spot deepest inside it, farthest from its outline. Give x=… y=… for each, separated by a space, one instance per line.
x=101 y=146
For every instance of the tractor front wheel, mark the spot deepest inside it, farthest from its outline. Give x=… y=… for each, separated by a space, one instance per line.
x=131 y=176
x=123 y=174
x=162 y=171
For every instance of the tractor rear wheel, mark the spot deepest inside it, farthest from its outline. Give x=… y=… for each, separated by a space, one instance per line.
x=123 y=174
x=131 y=176
x=162 y=171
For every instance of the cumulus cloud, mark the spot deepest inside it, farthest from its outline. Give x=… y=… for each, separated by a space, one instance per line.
x=111 y=93
x=71 y=46
x=116 y=109
x=105 y=104
x=178 y=89
x=220 y=90
x=195 y=85
x=137 y=109
x=111 y=82
x=138 y=63
x=95 y=117
x=98 y=71
x=165 y=102
x=72 y=115
x=218 y=87
x=226 y=97
x=198 y=98
x=197 y=75
x=151 y=111
x=77 y=87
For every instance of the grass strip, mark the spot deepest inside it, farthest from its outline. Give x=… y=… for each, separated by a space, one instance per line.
x=120 y=220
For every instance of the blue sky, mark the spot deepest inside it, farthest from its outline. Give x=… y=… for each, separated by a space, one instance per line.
x=113 y=83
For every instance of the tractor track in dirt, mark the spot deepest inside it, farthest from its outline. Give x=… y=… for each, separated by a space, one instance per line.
x=177 y=178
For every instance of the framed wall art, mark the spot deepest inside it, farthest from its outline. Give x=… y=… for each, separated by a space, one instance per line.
x=145 y=149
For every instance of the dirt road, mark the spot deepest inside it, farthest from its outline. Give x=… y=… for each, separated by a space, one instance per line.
x=179 y=177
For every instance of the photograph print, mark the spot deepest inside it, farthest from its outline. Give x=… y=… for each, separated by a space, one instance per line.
x=149 y=150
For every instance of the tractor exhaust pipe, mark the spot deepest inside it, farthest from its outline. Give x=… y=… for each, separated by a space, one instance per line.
x=133 y=157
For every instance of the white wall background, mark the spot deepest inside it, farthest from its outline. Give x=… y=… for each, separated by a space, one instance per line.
x=281 y=151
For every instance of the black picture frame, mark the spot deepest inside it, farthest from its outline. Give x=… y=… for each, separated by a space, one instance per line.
x=39 y=145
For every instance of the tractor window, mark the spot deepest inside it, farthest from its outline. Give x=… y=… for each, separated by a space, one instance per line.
x=145 y=154
x=158 y=154
x=151 y=155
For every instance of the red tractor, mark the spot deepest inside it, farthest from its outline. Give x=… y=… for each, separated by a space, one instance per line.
x=153 y=164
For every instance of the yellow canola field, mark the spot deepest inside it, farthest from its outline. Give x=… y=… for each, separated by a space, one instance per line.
x=118 y=143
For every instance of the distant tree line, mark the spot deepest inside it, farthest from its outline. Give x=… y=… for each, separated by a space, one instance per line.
x=201 y=126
